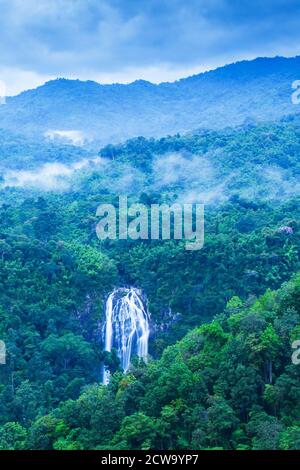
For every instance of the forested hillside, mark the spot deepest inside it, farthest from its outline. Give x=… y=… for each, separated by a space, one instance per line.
x=230 y=380
x=229 y=384
x=259 y=90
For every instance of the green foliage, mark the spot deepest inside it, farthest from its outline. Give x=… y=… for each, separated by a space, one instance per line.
x=12 y=437
x=208 y=391
x=217 y=381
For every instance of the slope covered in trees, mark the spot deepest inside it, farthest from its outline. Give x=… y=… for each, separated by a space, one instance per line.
x=260 y=89
x=229 y=384
x=55 y=276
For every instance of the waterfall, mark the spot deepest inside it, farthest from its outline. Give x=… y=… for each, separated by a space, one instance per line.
x=126 y=327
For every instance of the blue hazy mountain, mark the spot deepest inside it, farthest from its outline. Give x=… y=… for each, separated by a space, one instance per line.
x=246 y=91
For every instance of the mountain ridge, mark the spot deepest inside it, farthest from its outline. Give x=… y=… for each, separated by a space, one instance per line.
x=245 y=62
x=260 y=89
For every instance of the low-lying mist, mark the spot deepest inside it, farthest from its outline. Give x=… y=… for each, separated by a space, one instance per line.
x=180 y=176
x=50 y=176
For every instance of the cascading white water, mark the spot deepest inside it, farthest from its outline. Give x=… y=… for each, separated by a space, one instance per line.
x=126 y=327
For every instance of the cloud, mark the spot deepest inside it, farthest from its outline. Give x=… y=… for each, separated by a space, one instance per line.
x=114 y=40
x=17 y=80
x=176 y=168
x=74 y=137
x=49 y=177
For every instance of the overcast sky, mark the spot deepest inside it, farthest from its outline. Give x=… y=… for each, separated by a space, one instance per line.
x=124 y=40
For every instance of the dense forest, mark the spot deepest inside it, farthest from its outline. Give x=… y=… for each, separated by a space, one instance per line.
x=223 y=319
x=229 y=384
